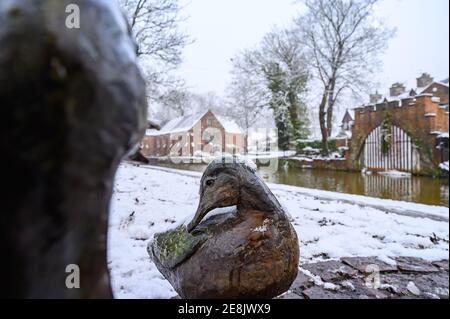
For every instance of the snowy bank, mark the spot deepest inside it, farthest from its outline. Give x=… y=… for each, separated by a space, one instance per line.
x=148 y=200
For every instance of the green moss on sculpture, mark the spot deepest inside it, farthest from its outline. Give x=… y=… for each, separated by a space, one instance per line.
x=174 y=246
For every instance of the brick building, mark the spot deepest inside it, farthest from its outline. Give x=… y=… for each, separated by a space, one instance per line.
x=403 y=131
x=344 y=136
x=194 y=135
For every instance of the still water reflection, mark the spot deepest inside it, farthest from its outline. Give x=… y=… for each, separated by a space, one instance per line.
x=425 y=190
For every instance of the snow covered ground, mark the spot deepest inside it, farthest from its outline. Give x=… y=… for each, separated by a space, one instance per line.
x=148 y=200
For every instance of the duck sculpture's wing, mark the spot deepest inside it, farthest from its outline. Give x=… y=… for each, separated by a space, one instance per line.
x=173 y=247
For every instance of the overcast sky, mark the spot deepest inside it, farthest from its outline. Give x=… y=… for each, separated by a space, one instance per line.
x=222 y=28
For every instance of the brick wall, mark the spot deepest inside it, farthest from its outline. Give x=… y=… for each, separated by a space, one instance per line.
x=418 y=117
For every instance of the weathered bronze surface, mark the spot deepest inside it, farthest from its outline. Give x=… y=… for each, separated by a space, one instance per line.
x=72 y=102
x=252 y=252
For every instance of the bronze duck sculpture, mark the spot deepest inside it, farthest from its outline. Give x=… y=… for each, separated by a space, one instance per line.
x=252 y=252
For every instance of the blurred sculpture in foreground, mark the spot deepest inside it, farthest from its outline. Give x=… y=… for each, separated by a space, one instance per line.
x=72 y=104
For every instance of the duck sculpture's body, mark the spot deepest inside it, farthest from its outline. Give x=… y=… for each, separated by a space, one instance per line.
x=250 y=252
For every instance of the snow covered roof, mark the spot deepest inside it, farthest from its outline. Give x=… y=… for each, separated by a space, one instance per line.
x=421 y=90
x=405 y=95
x=229 y=125
x=178 y=125
x=186 y=123
x=352 y=113
x=342 y=135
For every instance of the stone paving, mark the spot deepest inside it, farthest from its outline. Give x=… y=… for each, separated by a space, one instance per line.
x=370 y=278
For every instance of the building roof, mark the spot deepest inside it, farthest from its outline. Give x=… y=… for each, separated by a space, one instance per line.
x=178 y=125
x=349 y=113
x=185 y=123
x=343 y=135
x=229 y=125
x=443 y=83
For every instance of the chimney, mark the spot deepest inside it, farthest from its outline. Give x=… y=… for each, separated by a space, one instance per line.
x=374 y=98
x=424 y=80
x=397 y=89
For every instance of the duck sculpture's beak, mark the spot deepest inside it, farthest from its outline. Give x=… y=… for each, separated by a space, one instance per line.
x=202 y=210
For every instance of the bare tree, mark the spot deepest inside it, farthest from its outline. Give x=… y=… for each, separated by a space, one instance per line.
x=176 y=102
x=344 y=42
x=246 y=101
x=155 y=25
x=279 y=63
x=208 y=101
x=180 y=101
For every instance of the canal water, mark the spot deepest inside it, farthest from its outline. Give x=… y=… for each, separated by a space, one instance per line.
x=424 y=190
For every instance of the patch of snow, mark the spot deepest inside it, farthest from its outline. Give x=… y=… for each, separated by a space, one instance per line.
x=316 y=279
x=412 y=288
x=441 y=291
x=388 y=260
x=244 y=160
x=310 y=149
x=389 y=288
x=436 y=99
x=444 y=166
x=330 y=286
x=231 y=210
x=347 y=284
x=303 y=159
x=263 y=228
x=395 y=174
x=269 y=155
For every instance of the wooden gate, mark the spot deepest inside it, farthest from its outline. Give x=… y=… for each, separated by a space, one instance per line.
x=402 y=154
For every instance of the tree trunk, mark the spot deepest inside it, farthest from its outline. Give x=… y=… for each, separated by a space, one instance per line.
x=246 y=142
x=323 y=124
x=294 y=113
x=330 y=108
x=283 y=136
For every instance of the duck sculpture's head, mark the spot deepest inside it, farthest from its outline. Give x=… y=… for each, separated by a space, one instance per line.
x=231 y=181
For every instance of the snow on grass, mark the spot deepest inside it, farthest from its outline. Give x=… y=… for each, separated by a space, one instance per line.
x=148 y=200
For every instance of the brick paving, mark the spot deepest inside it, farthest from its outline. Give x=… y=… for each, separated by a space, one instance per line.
x=370 y=278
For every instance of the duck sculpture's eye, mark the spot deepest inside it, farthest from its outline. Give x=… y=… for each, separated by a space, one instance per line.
x=209 y=182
